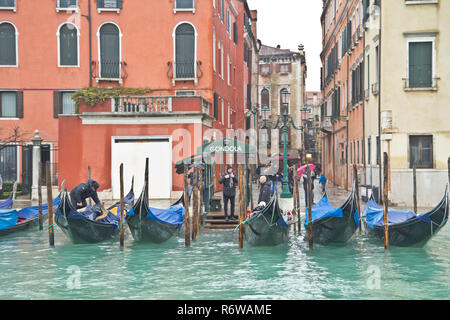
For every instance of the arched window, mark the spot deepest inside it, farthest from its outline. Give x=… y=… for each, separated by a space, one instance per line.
x=185 y=51
x=68 y=45
x=109 y=51
x=8 y=55
x=265 y=98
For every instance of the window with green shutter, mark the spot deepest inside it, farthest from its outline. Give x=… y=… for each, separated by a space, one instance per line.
x=420 y=64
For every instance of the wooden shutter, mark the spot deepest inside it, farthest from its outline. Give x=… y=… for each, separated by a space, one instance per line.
x=420 y=64
x=57 y=103
x=278 y=68
x=235 y=32
x=99 y=4
x=120 y=4
x=19 y=104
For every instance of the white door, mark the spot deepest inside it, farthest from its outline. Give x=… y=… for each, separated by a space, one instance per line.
x=132 y=152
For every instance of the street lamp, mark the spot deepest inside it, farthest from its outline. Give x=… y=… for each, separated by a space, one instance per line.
x=283 y=122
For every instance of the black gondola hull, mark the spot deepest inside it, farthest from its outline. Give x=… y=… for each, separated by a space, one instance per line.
x=80 y=230
x=149 y=230
x=263 y=230
x=83 y=231
x=414 y=232
x=336 y=230
x=25 y=225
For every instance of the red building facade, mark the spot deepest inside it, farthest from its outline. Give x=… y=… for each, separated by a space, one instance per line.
x=180 y=65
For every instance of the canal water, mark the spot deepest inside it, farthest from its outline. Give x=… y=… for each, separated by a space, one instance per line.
x=214 y=268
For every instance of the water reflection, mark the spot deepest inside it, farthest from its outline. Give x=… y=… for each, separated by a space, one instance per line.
x=214 y=268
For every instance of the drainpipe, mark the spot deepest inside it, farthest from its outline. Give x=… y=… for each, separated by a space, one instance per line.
x=89 y=18
x=379 y=112
x=346 y=107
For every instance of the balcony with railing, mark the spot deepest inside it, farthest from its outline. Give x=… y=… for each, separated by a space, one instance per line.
x=67 y=5
x=108 y=70
x=420 y=84
x=8 y=5
x=143 y=105
x=184 y=71
x=184 y=5
x=109 y=5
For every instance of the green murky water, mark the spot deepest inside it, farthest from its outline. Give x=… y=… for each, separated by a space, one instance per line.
x=214 y=268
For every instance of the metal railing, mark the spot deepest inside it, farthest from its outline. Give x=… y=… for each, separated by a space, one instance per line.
x=67 y=4
x=420 y=84
x=184 y=70
x=10 y=4
x=109 y=70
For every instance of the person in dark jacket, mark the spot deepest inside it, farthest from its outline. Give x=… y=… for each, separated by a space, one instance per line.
x=81 y=192
x=264 y=191
x=229 y=181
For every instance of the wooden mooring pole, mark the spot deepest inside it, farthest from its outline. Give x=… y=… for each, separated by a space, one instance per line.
x=385 y=200
x=358 y=203
x=122 y=227
x=89 y=178
x=414 y=189
x=295 y=195
x=41 y=218
x=51 y=235
x=308 y=194
x=195 y=206
x=200 y=198
x=187 y=227
x=299 y=224
x=241 y=203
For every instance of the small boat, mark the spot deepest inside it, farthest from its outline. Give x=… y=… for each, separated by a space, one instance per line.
x=155 y=225
x=8 y=203
x=267 y=227
x=406 y=228
x=83 y=227
x=16 y=220
x=334 y=225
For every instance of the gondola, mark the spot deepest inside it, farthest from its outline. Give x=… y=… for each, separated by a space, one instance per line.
x=406 y=228
x=8 y=203
x=81 y=227
x=16 y=220
x=267 y=227
x=334 y=225
x=154 y=225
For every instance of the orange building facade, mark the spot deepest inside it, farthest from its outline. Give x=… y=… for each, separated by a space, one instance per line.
x=188 y=63
x=342 y=89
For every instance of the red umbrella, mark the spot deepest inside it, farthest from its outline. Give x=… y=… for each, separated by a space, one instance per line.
x=302 y=169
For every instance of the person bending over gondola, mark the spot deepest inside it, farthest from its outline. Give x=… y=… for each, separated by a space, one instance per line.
x=81 y=192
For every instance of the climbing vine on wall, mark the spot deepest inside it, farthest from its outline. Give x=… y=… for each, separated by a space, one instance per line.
x=95 y=95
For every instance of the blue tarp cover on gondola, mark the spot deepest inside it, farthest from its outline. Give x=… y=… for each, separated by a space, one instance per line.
x=30 y=212
x=8 y=218
x=91 y=213
x=6 y=204
x=324 y=209
x=173 y=215
x=374 y=215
